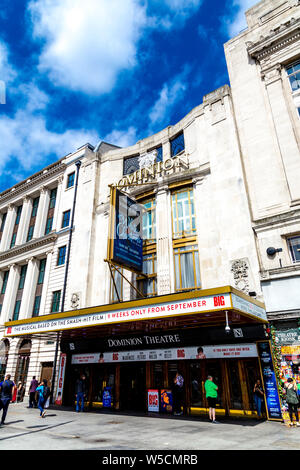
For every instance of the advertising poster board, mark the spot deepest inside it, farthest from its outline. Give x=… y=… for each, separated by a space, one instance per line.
x=126 y=243
x=106 y=398
x=61 y=378
x=153 y=401
x=166 y=401
x=270 y=384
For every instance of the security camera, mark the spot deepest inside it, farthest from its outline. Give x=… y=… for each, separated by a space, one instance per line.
x=227 y=329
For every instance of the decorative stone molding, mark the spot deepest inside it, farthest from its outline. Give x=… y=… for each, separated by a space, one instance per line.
x=39 y=178
x=272 y=75
x=278 y=38
x=26 y=247
x=240 y=270
x=75 y=300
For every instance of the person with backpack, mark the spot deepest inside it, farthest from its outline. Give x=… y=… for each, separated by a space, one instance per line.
x=44 y=392
x=7 y=387
x=291 y=397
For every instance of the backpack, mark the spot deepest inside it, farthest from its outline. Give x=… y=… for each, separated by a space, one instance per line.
x=46 y=392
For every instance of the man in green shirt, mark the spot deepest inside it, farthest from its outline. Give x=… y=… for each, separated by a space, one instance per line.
x=211 y=395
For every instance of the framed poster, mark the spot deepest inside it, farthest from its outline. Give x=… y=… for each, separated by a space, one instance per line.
x=166 y=401
x=125 y=244
x=269 y=378
x=153 y=401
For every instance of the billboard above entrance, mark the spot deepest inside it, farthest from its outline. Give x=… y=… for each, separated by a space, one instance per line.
x=191 y=303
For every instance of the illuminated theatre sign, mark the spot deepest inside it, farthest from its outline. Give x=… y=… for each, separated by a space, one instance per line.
x=151 y=173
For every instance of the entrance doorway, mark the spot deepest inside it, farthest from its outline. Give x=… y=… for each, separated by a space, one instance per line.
x=133 y=387
x=46 y=372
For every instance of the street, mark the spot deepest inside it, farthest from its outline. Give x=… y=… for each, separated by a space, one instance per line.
x=68 y=430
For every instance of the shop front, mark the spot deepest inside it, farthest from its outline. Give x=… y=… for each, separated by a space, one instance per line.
x=130 y=352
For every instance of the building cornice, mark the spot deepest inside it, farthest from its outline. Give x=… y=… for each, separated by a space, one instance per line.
x=281 y=272
x=278 y=38
x=36 y=179
x=25 y=248
x=276 y=220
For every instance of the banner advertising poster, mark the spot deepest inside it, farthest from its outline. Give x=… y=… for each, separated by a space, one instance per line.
x=182 y=353
x=127 y=232
x=270 y=383
x=166 y=401
x=153 y=401
x=106 y=397
x=61 y=378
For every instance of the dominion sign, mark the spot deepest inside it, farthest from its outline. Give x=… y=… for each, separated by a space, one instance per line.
x=154 y=171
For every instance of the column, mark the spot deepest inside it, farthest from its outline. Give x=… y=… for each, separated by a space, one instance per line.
x=57 y=203
x=29 y=288
x=285 y=133
x=10 y=294
x=46 y=283
x=24 y=221
x=8 y=229
x=41 y=217
x=165 y=274
x=166 y=150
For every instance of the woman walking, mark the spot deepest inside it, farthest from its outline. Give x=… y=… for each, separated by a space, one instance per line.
x=43 y=391
x=258 y=397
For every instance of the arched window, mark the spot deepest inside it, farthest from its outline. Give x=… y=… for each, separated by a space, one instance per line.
x=23 y=362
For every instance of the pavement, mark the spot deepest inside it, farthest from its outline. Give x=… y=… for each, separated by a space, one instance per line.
x=64 y=429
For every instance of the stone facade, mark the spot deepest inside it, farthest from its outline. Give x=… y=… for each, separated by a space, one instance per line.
x=240 y=159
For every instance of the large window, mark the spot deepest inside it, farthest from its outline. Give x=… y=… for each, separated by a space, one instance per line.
x=66 y=219
x=149 y=220
x=61 y=255
x=148 y=286
x=42 y=268
x=187 y=271
x=132 y=164
x=4 y=283
x=294 y=245
x=183 y=213
x=185 y=247
x=293 y=72
x=177 y=144
x=55 y=301
x=22 y=276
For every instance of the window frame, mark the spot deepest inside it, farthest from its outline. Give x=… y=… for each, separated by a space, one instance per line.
x=289 y=244
x=55 y=303
x=61 y=256
x=64 y=220
x=70 y=180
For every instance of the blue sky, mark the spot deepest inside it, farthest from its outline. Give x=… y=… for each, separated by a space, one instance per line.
x=114 y=70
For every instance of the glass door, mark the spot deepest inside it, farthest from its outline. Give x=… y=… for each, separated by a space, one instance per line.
x=236 y=399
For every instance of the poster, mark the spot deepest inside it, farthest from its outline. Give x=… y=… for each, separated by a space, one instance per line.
x=166 y=401
x=127 y=243
x=270 y=383
x=106 y=397
x=153 y=401
x=61 y=378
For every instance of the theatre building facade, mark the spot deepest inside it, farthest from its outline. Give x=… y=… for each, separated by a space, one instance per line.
x=196 y=305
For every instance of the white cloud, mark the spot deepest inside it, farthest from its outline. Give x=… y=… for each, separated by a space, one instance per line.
x=169 y=95
x=122 y=138
x=7 y=72
x=237 y=22
x=87 y=45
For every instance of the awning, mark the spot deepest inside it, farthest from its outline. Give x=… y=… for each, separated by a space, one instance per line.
x=188 y=309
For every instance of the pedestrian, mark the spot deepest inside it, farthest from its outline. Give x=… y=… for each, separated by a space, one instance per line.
x=211 y=391
x=258 y=397
x=80 y=392
x=20 y=392
x=291 y=398
x=44 y=393
x=32 y=392
x=7 y=388
x=178 y=394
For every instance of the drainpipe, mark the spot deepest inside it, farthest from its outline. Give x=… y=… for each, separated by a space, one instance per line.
x=78 y=165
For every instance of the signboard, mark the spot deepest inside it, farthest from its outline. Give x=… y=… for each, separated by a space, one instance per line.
x=106 y=397
x=181 y=353
x=61 y=378
x=125 y=245
x=270 y=383
x=288 y=336
x=166 y=401
x=194 y=305
x=153 y=401
x=244 y=305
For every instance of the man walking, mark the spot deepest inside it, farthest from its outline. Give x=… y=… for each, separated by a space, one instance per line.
x=6 y=391
x=80 y=392
x=32 y=392
x=211 y=390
